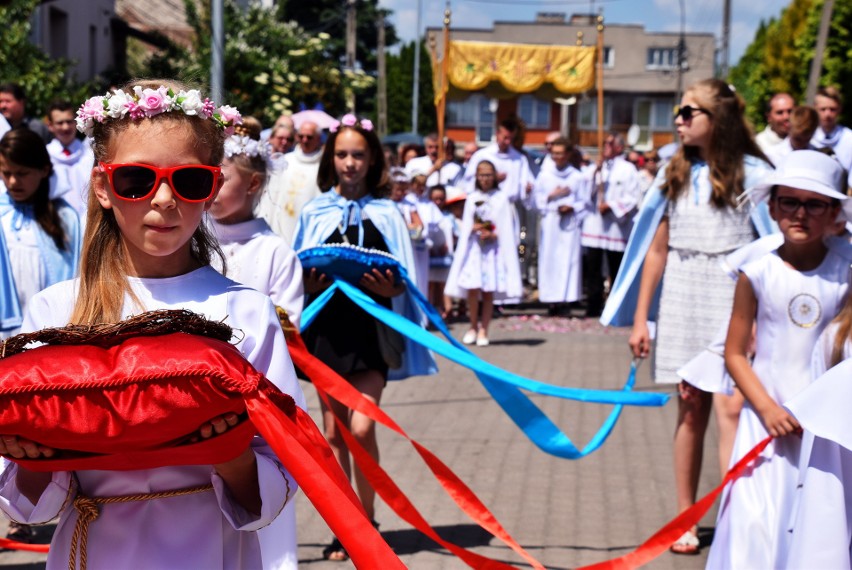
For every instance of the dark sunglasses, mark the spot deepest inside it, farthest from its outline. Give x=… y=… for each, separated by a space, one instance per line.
x=687 y=111
x=812 y=207
x=133 y=181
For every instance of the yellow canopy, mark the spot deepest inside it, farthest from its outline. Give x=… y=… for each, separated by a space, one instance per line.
x=519 y=68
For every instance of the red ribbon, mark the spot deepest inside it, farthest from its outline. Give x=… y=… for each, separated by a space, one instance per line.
x=9 y=544
x=329 y=383
x=669 y=534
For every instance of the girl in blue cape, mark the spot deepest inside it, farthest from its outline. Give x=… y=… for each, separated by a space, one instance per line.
x=40 y=237
x=688 y=223
x=353 y=209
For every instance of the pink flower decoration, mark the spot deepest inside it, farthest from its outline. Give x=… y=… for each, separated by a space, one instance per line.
x=153 y=101
x=135 y=111
x=332 y=128
x=348 y=120
x=93 y=109
x=367 y=124
x=230 y=115
x=207 y=109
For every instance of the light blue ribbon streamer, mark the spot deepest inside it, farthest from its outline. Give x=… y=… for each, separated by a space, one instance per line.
x=503 y=386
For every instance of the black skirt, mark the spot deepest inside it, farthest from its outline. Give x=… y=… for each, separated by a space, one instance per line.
x=343 y=335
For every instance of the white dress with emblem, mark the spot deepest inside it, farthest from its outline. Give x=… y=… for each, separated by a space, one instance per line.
x=793 y=308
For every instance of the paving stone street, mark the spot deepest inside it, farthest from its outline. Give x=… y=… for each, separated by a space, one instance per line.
x=565 y=513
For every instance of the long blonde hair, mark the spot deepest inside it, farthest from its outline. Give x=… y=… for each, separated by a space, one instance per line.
x=103 y=263
x=730 y=140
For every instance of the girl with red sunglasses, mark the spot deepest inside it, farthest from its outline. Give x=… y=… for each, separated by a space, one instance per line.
x=158 y=146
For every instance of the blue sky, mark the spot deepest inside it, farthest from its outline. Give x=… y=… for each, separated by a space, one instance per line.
x=655 y=15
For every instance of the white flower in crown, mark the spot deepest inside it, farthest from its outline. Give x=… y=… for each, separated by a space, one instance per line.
x=237 y=144
x=190 y=101
x=117 y=104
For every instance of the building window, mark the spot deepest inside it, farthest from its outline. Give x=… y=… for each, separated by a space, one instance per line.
x=587 y=113
x=476 y=112
x=661 y=58
x=609 y=57
x=58 y=33
x=652 y=115
x=534 y=112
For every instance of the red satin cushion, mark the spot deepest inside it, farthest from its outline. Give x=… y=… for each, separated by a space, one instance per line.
x=133 y=405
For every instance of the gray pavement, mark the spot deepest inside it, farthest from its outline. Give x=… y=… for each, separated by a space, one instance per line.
x=565 y=513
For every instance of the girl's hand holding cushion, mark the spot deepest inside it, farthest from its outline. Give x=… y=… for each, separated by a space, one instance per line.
x=20 y=448
x=382 y=283
x=315 y=282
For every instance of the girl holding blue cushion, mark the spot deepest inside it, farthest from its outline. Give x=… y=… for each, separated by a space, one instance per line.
x=353 y=209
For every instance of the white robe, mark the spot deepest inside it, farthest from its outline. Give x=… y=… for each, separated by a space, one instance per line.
x=433 y=232
x=793 y=307
x=840 y=142
x=622 y=191
x=446 y=175
x=470 y=257
x=821 y=523
x=287 y=191
x=512 y=163
x=202 y=530
x=766 y=139
x=560 y=278
x=257 y=257
x=74 y=172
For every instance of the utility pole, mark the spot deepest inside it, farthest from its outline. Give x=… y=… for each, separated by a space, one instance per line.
x=681 y=57
x=217 y=60
x=382 y=95
x=350 y=49
x=415 y=89
x=822 y=39
x=726 y=40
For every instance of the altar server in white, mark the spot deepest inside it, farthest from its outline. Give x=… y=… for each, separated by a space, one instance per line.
x=562 y=198
x=616 y=193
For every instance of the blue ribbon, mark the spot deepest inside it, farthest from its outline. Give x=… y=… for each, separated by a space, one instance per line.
x=505 y=387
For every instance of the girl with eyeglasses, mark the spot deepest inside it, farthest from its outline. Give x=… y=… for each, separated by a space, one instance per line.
x=787 y=297
x=158 y=146
x=688 y=223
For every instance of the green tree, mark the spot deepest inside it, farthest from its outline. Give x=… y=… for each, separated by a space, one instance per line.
x=329 y=16
x=780 y=56
x=400 y=77
x=270 y=66
x=43 y=79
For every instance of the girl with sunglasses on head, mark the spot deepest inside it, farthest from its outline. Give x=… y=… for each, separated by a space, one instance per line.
x=158 y=146
x=353 y=209
x=688 y=223
x=787 y=297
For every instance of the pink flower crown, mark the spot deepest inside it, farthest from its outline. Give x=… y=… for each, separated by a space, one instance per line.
x=349 y=120
x=147 y=102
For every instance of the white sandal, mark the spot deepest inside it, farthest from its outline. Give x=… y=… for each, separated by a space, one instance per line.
x=688 y=543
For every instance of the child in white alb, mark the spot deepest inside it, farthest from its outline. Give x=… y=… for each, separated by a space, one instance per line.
x=788 y=296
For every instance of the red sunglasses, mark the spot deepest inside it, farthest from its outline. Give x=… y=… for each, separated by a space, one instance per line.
x=133 y=182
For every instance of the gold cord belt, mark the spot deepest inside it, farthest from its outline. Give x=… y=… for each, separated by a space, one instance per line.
x=88 y=510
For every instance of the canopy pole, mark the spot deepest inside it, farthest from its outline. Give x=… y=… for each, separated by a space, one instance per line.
x=600 y=49
x=441 y=106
